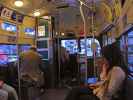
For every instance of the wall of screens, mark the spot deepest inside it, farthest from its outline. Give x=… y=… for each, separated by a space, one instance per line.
x=78 y=46
x=8 y=52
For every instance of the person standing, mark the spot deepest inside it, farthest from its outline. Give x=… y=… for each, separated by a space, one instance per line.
x=30 y=63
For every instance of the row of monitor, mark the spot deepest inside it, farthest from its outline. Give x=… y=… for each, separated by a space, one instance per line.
x=42 y=30
x=74 y=46
x=8 y=52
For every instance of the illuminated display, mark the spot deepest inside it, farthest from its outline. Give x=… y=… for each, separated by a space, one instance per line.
x=8 y=27
x=8 y=53
x=70 y=45
x=29 y=31
x=88 y=44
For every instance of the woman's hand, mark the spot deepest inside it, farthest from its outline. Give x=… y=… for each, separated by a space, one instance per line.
x=1 y=83
x=93 y=86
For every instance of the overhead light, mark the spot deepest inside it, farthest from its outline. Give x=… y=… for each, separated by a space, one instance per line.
x=18 y=3
x=36 y=13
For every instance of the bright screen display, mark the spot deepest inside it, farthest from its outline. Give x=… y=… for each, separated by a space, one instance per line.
x=9 y=27
x=70 y=45
x=89 y=41
x=8 y=53
x=29 y=31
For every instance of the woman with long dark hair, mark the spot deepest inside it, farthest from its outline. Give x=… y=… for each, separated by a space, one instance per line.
x=113 y=75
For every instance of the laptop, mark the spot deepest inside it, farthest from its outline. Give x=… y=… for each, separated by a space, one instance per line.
x=92 y=80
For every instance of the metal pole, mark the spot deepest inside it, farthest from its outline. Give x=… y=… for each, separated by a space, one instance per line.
x=18 y=63
x=59 y=63
x=85 y=38
x=36 y=30
x=93 y=41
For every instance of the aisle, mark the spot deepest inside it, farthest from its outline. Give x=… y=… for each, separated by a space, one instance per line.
x=54 y=94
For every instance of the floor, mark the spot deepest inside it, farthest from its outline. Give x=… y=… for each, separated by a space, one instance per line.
x=54 y=94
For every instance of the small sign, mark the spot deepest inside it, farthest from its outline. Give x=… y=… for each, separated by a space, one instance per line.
x=6 y=13
x=10 y=14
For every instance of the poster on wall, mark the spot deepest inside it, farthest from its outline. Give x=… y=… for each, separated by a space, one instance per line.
x=41 y=31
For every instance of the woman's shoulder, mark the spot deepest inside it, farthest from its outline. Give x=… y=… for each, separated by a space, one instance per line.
x=118 y=70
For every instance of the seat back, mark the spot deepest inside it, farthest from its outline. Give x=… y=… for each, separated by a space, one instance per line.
x=129 y=89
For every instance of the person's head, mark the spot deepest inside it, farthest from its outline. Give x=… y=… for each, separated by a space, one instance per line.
x=33 y=47
x=112 y=56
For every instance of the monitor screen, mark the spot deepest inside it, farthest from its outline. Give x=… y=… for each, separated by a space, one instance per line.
x=42 y=44
x=3 y=59
x=8 y=53
x=70 y=45
x=43 y=54
x=9 y=27
x=29 y=31
x=88 y=45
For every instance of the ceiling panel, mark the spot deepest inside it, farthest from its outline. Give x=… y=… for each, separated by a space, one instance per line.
x=67 y=11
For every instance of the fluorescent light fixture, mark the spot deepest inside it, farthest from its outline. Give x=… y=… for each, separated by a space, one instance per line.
x=36 y=13
x=18 y=3
x=62 y=34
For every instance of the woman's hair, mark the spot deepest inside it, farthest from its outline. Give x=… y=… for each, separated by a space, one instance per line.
x=114 y=56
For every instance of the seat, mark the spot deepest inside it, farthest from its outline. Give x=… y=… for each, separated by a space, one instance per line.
x=129 y=89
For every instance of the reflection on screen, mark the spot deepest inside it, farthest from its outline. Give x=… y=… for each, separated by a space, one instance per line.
x=92 y=80
x=70 y=45
x=88 y=44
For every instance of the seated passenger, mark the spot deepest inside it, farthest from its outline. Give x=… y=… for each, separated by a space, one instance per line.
x=8 y=92
x=113 y=74
x=3 y=95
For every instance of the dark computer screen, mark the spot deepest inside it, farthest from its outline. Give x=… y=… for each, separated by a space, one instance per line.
x=42 y=44
x=71 y=45
x=43 y=54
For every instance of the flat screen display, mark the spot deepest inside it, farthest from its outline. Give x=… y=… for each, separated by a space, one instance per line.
x=9 y=27
x=8 y=53
x=29 y=31
x=42 y=44
x=70 y=45
x=43 y=54
x=88 y=45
